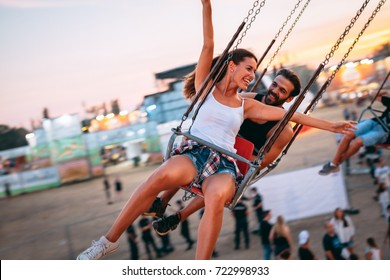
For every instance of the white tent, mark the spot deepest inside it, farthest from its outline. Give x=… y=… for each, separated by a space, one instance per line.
x=302 y=193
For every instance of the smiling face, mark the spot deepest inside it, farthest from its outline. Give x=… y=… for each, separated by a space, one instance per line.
x=279 y=92
x=244 y=72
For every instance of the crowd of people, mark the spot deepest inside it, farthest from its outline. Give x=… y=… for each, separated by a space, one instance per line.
x=274 y=240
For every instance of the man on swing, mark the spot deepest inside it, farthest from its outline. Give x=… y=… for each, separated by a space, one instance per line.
x=285 y=86
x=369 y=133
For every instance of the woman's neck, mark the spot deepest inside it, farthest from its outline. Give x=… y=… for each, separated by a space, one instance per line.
x=225 y=89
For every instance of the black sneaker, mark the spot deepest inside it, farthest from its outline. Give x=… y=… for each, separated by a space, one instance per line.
x=328 y=168
x=165 y=225
x=157 y=209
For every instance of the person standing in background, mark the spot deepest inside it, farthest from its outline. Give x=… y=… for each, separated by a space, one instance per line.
x=132 y=240
x=240 y=213
x=372 y=250
x=185 y=228
x=280 y=237
x=7 y=189
x=344 y=228
x=387 y=234
x=304 y=251
x=147 y=237
x=107 y=188
x=118 y=186
x=265 y=229
x=331 y=243
x=258 y=207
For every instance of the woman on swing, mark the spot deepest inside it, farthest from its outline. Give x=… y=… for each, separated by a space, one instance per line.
x=218 y=122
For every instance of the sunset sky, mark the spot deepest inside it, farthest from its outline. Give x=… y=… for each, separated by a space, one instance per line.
x=61 y=54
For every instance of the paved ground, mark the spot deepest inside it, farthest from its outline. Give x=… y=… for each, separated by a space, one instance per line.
x=59 y=223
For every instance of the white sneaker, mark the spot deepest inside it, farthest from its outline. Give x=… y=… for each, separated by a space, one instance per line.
x=99 y=249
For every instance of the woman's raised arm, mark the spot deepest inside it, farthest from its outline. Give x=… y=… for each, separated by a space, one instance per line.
x=206 y=55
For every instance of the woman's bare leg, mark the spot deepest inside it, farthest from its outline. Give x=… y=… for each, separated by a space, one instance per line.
x=217 y=190
x=195 y=204
x=177 y=171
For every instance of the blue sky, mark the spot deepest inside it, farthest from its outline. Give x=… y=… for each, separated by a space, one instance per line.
x=60 y=54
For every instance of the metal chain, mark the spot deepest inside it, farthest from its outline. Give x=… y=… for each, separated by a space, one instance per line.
x=311 y=107
x=250 y=12
x=187 y=195
x=319 y=94
x=342 y=61
x=258 y=80
x=288 y=33
x=346 y=31
x=287 y=20
x=253 y=14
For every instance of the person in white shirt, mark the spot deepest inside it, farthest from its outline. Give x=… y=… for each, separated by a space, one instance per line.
x=372 y=250
x=382 y=174
x=344 y=228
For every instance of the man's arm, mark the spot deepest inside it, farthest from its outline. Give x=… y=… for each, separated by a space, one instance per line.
x=283 y=139
x=251 y=95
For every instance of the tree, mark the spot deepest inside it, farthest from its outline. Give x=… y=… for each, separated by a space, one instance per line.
x=115 y=107
x=384 y=50
x=46 y=113
x=11 y=138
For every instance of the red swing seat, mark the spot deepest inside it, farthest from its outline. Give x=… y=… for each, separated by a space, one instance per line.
x=245 y=149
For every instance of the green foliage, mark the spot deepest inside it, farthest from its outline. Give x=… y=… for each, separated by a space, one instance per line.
x=11 y=138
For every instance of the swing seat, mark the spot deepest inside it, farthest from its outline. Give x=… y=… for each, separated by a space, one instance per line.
x=385 y=145
x=385 y=100
x=245 y=149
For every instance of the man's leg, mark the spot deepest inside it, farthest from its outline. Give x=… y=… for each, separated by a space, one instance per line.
x=353 y=148
x=333 y=166
x=160 y=204
x=343 y=148
x=165 y=225
x=369 y=133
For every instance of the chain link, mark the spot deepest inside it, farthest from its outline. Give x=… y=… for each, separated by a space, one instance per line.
x=252 y=14
x=345 y=33
x=288 y=18
x=288 y=33
x=327 y=83
x=342 y=61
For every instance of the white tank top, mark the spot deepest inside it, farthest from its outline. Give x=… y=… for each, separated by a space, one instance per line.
x=376 y=253
x=218 y=123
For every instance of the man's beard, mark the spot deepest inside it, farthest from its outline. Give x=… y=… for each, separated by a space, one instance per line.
x=276 y=101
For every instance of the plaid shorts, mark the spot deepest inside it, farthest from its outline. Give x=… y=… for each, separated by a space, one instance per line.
x=200 y=157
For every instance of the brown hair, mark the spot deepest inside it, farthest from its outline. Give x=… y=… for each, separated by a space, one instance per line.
x=293 y=78
x=371 y=242
x=238 y=55
x=345 y=222
x=279 y=226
